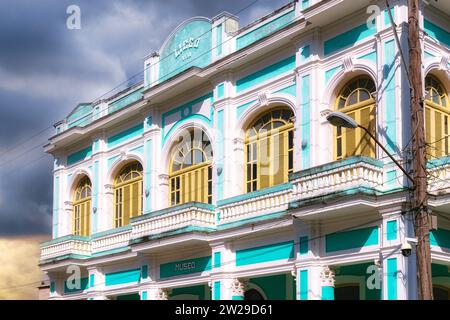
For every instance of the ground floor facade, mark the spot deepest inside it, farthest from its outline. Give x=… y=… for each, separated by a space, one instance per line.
x=347 y=249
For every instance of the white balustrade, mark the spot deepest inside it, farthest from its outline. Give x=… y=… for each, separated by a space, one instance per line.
x=111 y=241
x=258 y=205
x=439 y=179
x=185 y=216
x=359 y=174
x=66 y=247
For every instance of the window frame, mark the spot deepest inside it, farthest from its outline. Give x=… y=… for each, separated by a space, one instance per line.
x=257 y=138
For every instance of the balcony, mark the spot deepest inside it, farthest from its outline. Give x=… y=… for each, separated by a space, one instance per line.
x=192 y=214
x=351 y=173
x=261 y=202
x=439 y=176
x=110 y=240
x=360 y=174
x=66 y=246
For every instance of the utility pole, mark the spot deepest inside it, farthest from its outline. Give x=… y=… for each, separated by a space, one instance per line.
x=420 y=207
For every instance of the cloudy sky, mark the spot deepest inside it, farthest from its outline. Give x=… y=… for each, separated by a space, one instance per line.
x=46 y=70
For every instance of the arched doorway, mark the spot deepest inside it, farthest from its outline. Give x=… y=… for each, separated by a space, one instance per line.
x=253 y=294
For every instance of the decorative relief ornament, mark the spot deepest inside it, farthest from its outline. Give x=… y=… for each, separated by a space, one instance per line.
x=348 y=64
x=238 y=287
x=327 y=277
x=263 y=99
x=444 y=65
x=162 y=294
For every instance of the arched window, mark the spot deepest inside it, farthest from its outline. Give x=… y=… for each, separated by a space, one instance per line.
x=437 y=111
x=128 y=194
x=269 y=150
x=82 y=208
x=356 y=101
x=190 y=169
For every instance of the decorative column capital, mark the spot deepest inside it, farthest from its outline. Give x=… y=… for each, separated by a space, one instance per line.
x=163 y=179
x=238 y=286
x=327 y=277
x=238 y=144
x=162 y=294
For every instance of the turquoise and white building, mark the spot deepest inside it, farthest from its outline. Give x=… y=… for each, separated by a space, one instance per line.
x=218 y=176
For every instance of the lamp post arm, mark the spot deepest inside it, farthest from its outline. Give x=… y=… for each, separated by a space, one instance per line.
x=387 y=152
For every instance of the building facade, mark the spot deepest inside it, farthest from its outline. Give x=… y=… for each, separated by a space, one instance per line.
x=218 y=176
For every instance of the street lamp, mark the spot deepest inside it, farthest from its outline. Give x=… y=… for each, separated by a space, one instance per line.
x=339 y=119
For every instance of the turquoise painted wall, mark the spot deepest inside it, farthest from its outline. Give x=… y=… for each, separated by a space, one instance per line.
x=305 y=107
x=265 y=74
x=80 y=116
x=330 y=73
x=144 y=271
x=121 y=277
x=274 y=287
x=437 y=33
x=132 y=296
x=305 y=53
x=242 y=108
x=79 y=156
x=92 y=281
x=220 y=90
x=125 y=135
x=292 y=90
x=190 y=46
x=351 y=239
x=303 y=245
x=184 y=267
x=272 y=252
x=389 y=70
x=265 y=30
x=303 y=285
x=348 y=39
x=217 y=290
x=199 y=291
x=391 y=279
x=130 y=98
x=359 y=270
x=371 y=56
x=184 y=113
x=391 y=232
x=440 y=237
x=304 y=4
x=327 y=293
x=217 y=259
x=84 y=285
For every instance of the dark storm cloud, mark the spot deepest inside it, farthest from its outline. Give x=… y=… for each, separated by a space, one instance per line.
x=46 y=69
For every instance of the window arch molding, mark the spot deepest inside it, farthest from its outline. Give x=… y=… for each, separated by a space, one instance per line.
x=253 y=111
x=172 y=140
x=74 y=180
x=122 y=161
x=342 y=77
